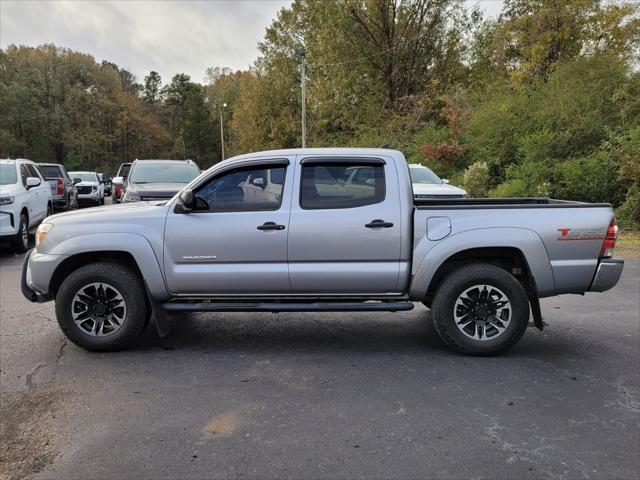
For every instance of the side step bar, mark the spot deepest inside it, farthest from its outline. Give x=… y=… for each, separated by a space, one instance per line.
x=288 y=307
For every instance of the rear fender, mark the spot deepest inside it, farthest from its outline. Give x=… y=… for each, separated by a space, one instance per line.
x=527 y=241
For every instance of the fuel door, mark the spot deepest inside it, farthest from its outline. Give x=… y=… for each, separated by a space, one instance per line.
x=438 y=228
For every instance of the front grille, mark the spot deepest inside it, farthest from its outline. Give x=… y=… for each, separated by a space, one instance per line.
x=84 y=190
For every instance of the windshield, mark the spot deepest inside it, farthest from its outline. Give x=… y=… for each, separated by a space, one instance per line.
x=423 y=175
x=50 y=171
x=164 y=172
x=84 y=176
x=8 y=175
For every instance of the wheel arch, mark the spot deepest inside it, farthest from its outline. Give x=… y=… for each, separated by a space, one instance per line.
x=132 y=250
x=523 y=249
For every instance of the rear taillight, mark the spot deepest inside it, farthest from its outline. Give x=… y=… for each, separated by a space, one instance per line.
x=118 y=190
x=60 y=186
x=610 y=240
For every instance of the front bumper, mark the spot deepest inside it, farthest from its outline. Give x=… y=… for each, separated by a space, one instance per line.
x=8 y=224
x=92 y=197
x=607 y=275
x=29 y=293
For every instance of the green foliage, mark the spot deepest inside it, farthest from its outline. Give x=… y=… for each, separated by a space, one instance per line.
x=476 y=179
x=544 y=100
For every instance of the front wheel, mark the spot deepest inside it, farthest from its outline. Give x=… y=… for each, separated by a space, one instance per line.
x=21 y=241
x=102 y=306
x=480 y=309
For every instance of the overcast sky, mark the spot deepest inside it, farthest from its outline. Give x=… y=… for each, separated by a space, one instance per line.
x=166 y=36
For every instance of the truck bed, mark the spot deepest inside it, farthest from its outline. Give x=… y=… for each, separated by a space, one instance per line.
x=531 y=202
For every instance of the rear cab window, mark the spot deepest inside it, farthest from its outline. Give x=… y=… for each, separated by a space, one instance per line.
x=341 y=183
x=50 y=171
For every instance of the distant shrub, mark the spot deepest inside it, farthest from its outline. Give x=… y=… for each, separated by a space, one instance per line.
x=476 y=179
x=628 y=215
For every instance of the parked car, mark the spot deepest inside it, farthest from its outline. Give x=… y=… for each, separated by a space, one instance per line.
x=119 y=181
x=105 y=179
x=481 y=265
x=90 y=190
x=158 y=179
x=63 y=191
x=427 y=184
x=25 y=200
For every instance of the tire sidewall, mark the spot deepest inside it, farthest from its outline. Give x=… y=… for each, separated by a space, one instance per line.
x=129 y=287
x=19 y=245
x=467 y=277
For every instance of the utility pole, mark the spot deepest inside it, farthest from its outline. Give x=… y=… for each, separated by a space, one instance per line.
x=302 y=53
x=220 y=109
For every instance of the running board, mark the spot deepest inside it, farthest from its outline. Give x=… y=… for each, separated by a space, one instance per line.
x=289 y=307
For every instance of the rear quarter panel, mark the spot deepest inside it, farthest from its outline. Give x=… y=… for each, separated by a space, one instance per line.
x=558 y=264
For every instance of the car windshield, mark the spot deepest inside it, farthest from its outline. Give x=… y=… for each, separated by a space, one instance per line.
x=84 y=176
x=423 y=175
x=164 y=172
x=50 y=171
x=8 y=175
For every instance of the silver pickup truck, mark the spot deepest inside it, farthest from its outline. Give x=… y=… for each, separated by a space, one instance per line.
x=318 y=230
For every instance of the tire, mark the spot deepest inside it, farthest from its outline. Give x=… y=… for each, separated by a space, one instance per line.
x=487 y=326
x=49 y=210
x=113 y=335
x=21 y=241
x=101 y=202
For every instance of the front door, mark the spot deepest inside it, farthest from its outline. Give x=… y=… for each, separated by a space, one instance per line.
x=345 y=227
x=235 y=241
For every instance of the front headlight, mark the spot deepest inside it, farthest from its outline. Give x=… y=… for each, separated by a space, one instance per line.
x=93 y=189
x=6 y=200
x=131 y=197
x=42 y=231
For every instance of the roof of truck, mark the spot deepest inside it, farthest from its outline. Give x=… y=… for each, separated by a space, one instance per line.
x=318 y=151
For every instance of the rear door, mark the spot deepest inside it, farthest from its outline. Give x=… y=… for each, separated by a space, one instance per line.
x=235 y=242
x=345 y=226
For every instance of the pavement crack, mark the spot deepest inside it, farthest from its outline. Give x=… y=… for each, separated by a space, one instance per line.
x=29 y=377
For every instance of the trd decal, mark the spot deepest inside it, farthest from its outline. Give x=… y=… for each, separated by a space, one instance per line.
x=581 y=233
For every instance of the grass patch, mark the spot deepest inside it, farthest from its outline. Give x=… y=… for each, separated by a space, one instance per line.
x=628 y=245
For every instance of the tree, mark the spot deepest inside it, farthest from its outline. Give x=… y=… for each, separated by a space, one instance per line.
x=152 y=88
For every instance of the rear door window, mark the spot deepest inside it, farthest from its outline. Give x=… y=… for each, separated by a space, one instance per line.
x=341 y=184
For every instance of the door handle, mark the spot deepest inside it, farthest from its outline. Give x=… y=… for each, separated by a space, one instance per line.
x=270 y=226
x=377 y=223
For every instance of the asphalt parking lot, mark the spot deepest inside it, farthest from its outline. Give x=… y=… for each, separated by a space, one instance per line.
x=356 y=395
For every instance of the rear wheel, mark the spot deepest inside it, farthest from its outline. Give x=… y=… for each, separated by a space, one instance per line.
x=21 y=241
x=480 y=309
x=102 y=306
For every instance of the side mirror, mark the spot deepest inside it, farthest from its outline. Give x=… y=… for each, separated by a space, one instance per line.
x=186 y=201
x=445 y=181
x=258 y=182
x=76 y=180
x=32 y=182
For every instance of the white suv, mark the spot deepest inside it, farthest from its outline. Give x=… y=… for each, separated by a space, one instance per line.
x=25 y=200
x=90 y=189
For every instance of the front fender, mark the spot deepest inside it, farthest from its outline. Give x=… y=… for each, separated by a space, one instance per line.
x=527 y=241
x=132 y=243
